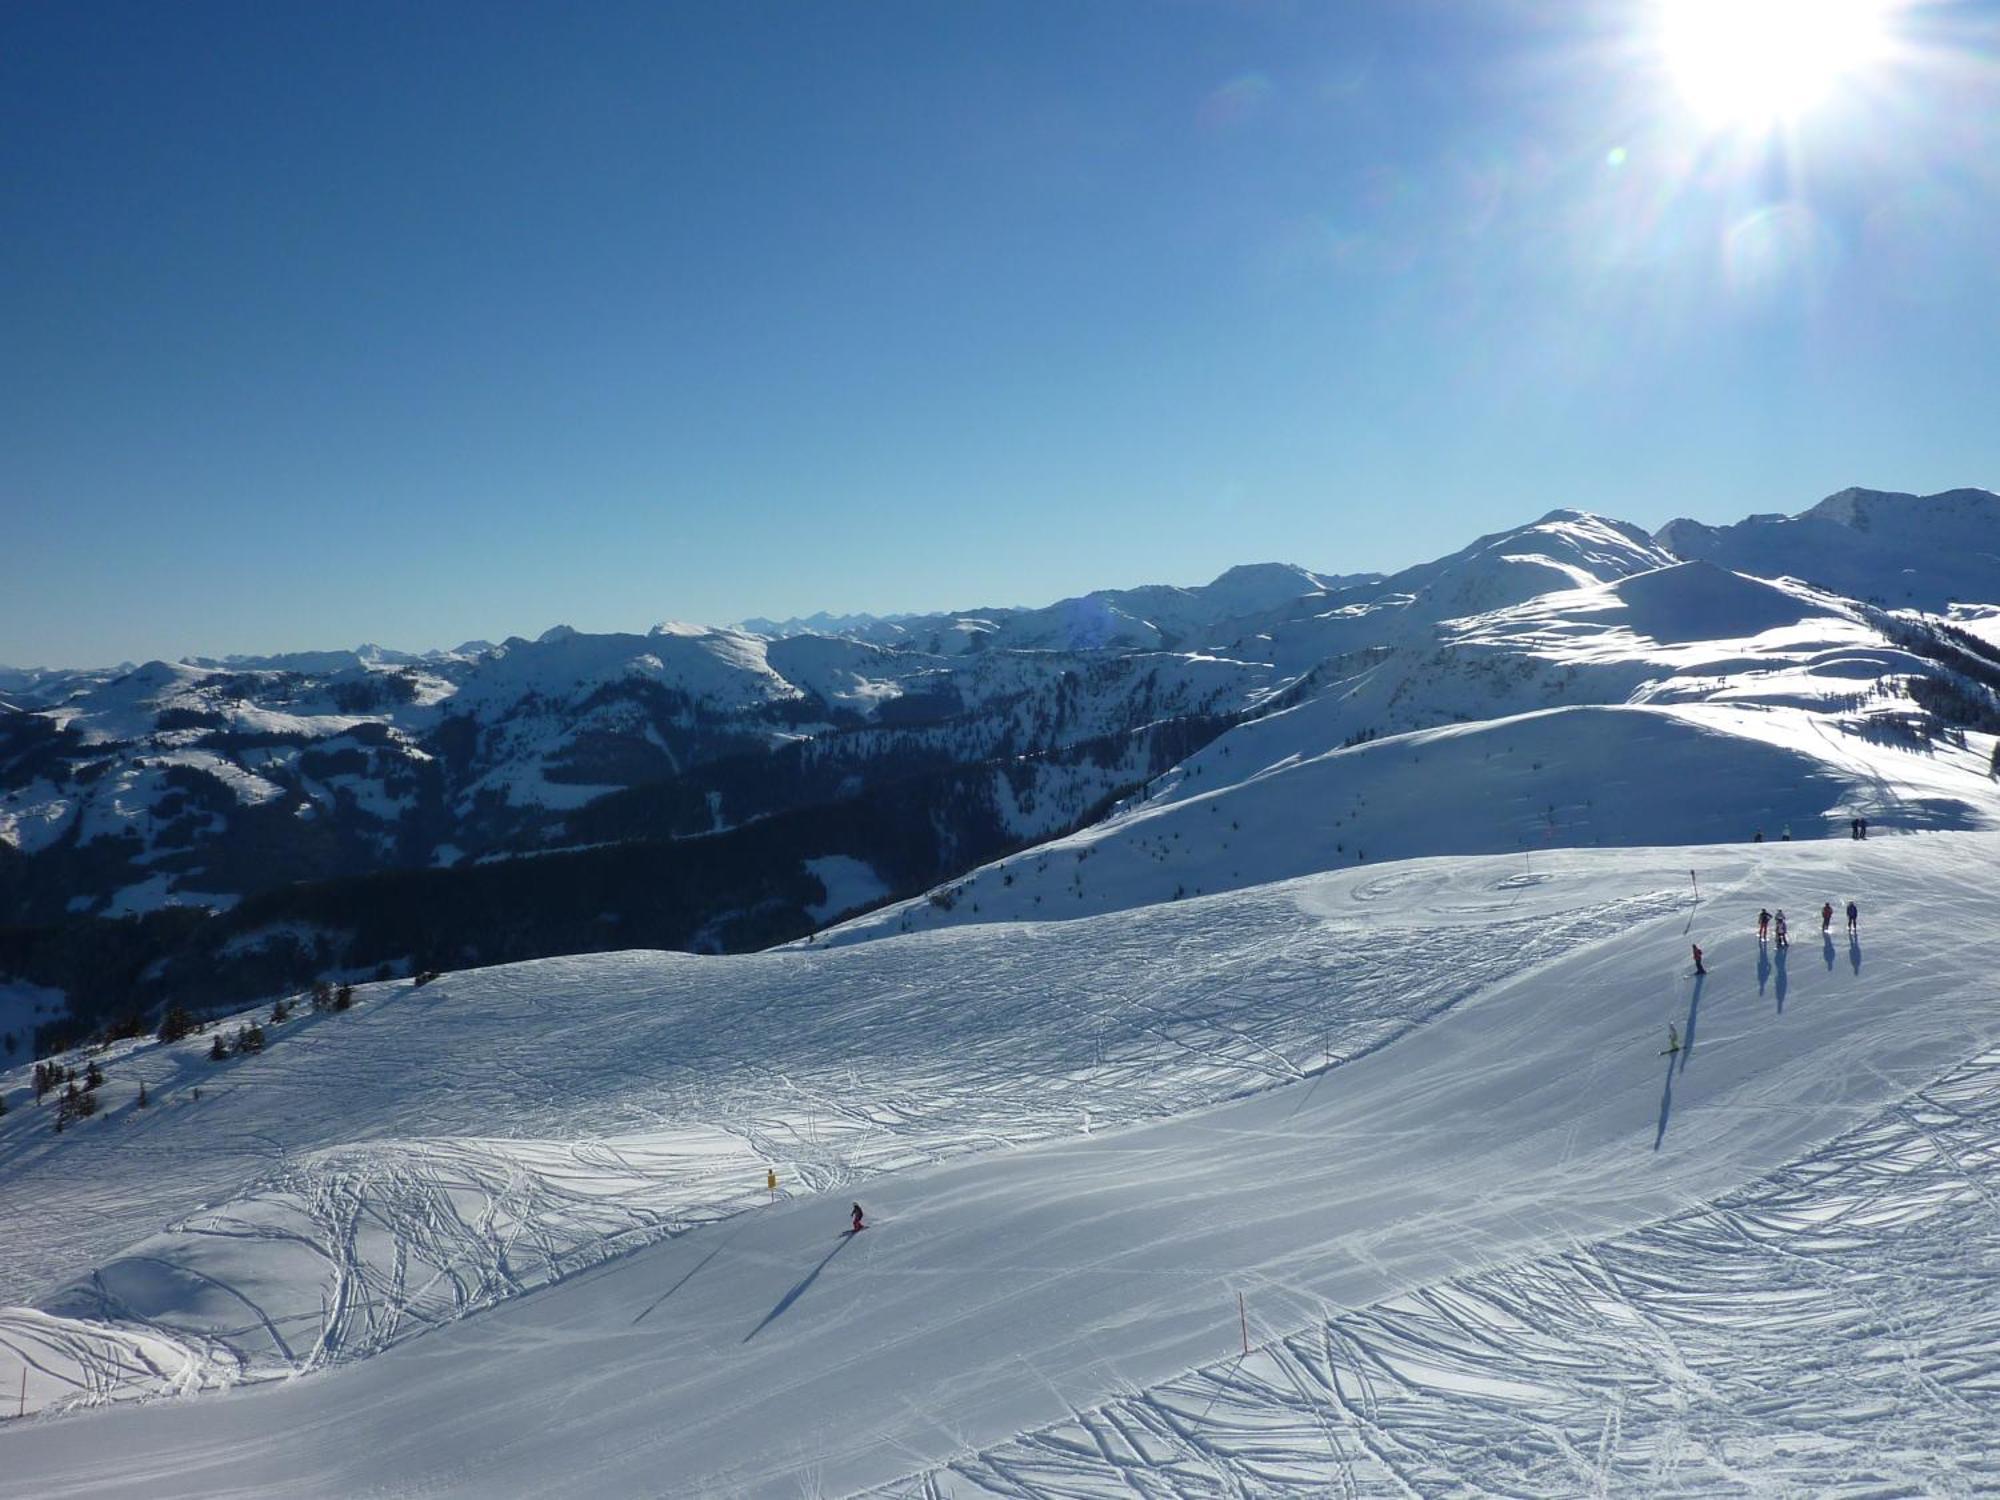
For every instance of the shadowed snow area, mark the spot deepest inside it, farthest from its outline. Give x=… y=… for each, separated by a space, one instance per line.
x=1504 y=1246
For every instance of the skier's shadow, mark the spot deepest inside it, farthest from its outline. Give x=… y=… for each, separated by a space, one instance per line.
x=1763 y=968
x=1694 y=1014
x=1666 y=1104
x=785 y=1302
x=679 y=1284
x=1826 y=942
x=1783 y=982
x=1854 y=951
x=1687 y=1047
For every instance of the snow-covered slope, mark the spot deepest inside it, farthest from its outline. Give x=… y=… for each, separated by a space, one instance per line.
x=1900 y=551
x=1598 y=776
x=203 y=783
x=1566 y=549
x=1501 y=1245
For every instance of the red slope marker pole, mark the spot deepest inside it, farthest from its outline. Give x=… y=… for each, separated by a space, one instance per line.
x=1696 y=884
x=1242 y=1317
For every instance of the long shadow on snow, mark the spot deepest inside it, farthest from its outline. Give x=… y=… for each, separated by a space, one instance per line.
x=1686 y=1047
x=1666 y=1104
x=1854 y=952
x=785 y=1302
x=679 y=1284
x=1784 y=981
x=1694 y=1014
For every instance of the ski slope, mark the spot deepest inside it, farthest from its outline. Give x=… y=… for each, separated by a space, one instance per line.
x=1502 y=1244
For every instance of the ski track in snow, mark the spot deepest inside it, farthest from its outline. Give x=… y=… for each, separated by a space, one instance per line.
x=1828 y=1330
x=836 y=1067
x=1471 y=1269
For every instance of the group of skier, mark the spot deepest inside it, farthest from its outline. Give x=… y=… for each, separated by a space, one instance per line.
x=1765 y=923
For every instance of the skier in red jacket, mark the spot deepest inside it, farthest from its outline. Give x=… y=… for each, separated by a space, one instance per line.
x=858 y=1225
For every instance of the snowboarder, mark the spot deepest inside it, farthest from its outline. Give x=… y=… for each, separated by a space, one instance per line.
x=1763 y=926
x=1783 y=940
x=1853 y=916
x=858 y=1225
x=1826 y=916
x=1864 y=828
x=1673 y=1041
x=1854 y=828
x=1697 y=960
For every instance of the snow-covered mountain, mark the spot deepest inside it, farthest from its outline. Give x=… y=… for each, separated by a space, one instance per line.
x=725 y=772
x=1275 y=1062
x=1154 y=618
x=1898 y=551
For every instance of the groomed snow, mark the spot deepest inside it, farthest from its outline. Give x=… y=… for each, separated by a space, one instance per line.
x=1503 y=1246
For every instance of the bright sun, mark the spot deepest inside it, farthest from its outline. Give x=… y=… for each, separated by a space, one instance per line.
x=1754 y=63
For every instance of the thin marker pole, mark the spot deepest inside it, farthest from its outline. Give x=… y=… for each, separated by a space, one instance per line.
x=1241 y=1317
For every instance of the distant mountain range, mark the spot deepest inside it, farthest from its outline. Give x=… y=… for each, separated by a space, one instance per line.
x=214 y=829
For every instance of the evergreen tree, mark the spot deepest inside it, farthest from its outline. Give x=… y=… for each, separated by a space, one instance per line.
x=218 y=1050
x=176 y=1023
x=74 y=1105
x=144 y=1100
x=93 y=1076
x=343 y=997
x=322 y=995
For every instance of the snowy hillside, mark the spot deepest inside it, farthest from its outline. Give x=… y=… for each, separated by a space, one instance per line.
x=1489 y=1237
x=1560 y=778
x=1901 y=551
x=303 y=795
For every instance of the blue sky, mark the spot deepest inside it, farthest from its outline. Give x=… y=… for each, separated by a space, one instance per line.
x=418 y=323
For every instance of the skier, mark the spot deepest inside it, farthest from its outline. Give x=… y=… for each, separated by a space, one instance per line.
x=858 y=1225
x=1853 y=917
x=1697 y=960
x=1673 y=1041
x=1783 y=940
x=1763 y=926
x=1826 y=916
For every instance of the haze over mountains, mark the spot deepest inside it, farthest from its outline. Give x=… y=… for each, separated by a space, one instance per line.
x=351 y=813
